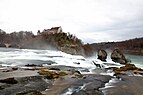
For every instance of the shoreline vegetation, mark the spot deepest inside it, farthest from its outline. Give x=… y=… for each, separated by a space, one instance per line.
x=66 y=80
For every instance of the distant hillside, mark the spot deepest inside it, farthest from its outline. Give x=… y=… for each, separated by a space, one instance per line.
x=132 y=46
x=56 y=39
x=14 y=39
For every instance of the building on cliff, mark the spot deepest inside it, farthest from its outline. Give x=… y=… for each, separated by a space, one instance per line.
x=53 y=30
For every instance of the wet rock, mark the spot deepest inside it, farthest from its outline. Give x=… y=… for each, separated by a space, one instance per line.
x=10 y=69
x=9 y=81
x=89 y=85
x=26 y=84
x=52 y=74
x=33 y=65
x=128 y=69
x=118 y=56
x=138 y=72
x=30 y=92
x=77 y=63
x=49 y=74
x=97 y=65
x=54 y=69
x=63 y=73
x=125 y=68
x=102 y=55
x=75 y=73
x=14 y=68
x=81 y=92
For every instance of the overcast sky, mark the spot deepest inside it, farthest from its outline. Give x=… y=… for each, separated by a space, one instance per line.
x=90 y=20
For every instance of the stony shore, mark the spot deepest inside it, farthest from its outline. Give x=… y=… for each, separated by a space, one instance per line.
x=36 y=82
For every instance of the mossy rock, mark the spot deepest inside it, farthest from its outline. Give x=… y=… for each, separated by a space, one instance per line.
x=49 y=74
x=127 y=67
x=63 y=73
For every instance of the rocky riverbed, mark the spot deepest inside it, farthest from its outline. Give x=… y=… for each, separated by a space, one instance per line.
x=50 y=81
x=66 y=80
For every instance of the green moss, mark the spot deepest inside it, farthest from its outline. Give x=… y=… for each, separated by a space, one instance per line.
x=63 y=73
x=49 y=74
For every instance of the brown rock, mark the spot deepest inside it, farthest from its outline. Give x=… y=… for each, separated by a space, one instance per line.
x=102 y=55
x=9 y=81
x=118 y=56
x=49 y=74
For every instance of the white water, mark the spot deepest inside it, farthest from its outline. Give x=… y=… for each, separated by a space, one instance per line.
x=21 y=57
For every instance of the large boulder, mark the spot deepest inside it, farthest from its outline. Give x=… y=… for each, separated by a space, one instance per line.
x=102 y=55
x=118 y=56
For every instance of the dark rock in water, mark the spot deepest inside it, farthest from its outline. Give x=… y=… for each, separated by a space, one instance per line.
x=118 y=56
x=102 y=55
x=33 y=65
x=9 y=81
x=81 y=92
x=30 y=92
x=97 y=65
x=10 y=69
x=14 y=68
x=52 y=68
x=77 y=63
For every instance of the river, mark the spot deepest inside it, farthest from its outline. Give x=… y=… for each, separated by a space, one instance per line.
x=22 y=57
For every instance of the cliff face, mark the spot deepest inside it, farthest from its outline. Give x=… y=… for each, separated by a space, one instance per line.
x=60 y=40
x=132 y=46
x=53 y=39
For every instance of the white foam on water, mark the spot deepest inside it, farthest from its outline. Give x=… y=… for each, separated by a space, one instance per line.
x=110 y=84
x=71 y=90
x=18 y=57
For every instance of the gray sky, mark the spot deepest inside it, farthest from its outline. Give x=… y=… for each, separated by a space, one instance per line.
x=90 y=20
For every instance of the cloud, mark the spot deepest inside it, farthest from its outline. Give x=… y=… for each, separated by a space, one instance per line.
x=90 y=20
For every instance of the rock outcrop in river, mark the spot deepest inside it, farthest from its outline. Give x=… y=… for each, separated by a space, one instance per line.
x=118 y=56
x=102 y=55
